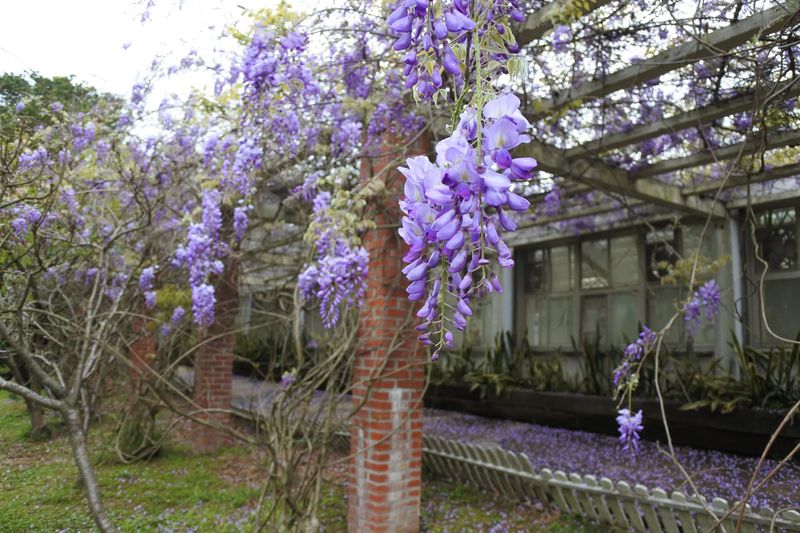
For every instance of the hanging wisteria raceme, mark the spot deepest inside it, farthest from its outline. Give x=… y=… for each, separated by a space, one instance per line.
x=632 y=356
x=435 y=35
x=456 y=210
x=202 y=257
x=629 y=427
x=338 y=276
x=706 y=298
x=457 y=207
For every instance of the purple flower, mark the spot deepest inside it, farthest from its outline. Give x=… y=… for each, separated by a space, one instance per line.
x=150 y=299
x=552 y=202
x=452 y=210
x=146 y=278
x=706 y=298
x=629 y=428
x=19 y=107
x=203 y=301
x=56 y=107
x=561 y=37
x=177 y=315
x=240 y=222
x=287 y=379
x=709 y=295
x=420 y=29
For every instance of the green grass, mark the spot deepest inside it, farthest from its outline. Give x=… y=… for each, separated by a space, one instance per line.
x=180 y=491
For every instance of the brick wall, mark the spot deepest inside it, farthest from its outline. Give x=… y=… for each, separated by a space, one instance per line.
x=386 y=435
x=213 y=365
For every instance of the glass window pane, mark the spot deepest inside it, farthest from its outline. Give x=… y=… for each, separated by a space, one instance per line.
x=777 y=239
x=660 y=252
x=706 y=333
x=624 y=261
x=690 y=235
x=625 y=318
x=481 y=327
x=561 y=267
x=781 y=298
x=559 y=320
x=594 y=264
x=533 y=321
x=660 y=308
x=534 y=271
x=594 y=318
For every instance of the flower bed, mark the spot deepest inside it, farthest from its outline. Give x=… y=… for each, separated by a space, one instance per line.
x=745 y=431
x=715 y=474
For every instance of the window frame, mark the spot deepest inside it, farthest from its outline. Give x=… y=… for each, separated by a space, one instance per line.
x=644 y=290
x=758 y=334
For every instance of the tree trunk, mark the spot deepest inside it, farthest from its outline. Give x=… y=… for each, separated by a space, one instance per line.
x=35 y=411
x=77 y=440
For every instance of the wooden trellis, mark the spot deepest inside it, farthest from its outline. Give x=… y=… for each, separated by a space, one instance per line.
x=581 y=164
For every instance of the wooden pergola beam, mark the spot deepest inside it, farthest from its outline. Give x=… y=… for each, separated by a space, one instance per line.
x=738 y=180
x=764 y=199
x=614 y=180
x=688 y=119
x=541 y=21
x=753 y=146
x=709 y=45
x=589 y=211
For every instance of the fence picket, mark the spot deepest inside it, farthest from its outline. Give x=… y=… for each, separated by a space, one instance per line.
x=664 y=510
x=720 y=507
x=493 y=474
x=538 y=489
x=629 y=504
x=582 y=496
x=705 y=522
x=748 y=526
x=555 y=490
x=512 y=483
x=599 y=502
x=687 y=521
x=566 y=492
x=650 y=518
x=615 y=503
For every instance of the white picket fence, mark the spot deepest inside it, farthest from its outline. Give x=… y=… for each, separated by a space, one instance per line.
x=635 y=508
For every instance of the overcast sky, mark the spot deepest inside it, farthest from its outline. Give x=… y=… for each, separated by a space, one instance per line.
x=87 y=38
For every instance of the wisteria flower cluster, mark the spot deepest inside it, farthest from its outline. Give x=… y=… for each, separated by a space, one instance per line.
x=338 y=275
x=706 y=298
x=146 y=283
x=633 y=354
x=455 y=210
x=201 y=255
x=431 y=32
x=629 y=427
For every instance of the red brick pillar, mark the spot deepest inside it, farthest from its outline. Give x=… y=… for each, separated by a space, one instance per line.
x=143 y=352
x=213 y=365
x=386 y=435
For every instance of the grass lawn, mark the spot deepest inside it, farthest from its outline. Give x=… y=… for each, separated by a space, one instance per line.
x=180 y=491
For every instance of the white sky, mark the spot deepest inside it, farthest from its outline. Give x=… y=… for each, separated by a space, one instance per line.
x=85 y=38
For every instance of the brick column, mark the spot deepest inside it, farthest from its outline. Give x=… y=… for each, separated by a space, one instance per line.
x=386 y=435
x=213 y=364
x=143 y=352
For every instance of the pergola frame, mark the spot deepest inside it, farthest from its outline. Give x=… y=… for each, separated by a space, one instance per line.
x=582 y=163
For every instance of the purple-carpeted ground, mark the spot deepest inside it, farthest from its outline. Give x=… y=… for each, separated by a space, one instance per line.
x=715 y=474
